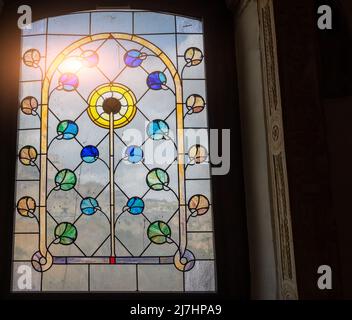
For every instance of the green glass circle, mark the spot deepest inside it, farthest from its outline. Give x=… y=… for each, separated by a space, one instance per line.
x=66 y=233
x=157 y=179
x=65 y=180
x=158 y=232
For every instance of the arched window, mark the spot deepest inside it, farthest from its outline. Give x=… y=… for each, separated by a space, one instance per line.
x=113 y=184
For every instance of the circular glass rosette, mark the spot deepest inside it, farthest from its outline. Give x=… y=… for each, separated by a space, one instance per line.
x=112 y=100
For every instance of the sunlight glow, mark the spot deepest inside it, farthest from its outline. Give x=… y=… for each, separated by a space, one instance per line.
x=71 y=64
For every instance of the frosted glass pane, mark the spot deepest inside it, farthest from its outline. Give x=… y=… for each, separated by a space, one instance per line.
x=39 y=27
x=150 y=22
x=187 y=25
x=69 y=24
x=111 y=21
x=201 y=277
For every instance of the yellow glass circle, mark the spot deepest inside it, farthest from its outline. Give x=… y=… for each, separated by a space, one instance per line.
x=114 y=90
x=26 y=206
x=28 y=155
x=198 y=153
x=193 y=56
x=31 y=58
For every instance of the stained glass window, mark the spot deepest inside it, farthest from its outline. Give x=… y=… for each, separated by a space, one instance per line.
x=113 y=189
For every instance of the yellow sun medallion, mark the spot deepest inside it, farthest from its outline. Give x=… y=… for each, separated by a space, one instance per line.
x=115 y=99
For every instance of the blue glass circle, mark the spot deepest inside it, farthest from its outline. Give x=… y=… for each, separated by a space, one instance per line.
x=67 y=129
x=157 y=129
x=135 y=205
x=134 y=154
x=133 y=59
x=156 y=80
x=89 y=154
x=89 y=206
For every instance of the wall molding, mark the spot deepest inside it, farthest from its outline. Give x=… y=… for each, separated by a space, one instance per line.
x=281 y=214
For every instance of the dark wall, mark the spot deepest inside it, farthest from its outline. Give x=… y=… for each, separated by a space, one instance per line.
x=335 y=52
x=339 y=132
x=315 y=73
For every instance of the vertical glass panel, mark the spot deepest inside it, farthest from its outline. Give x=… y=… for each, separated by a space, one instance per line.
x=113 y=178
